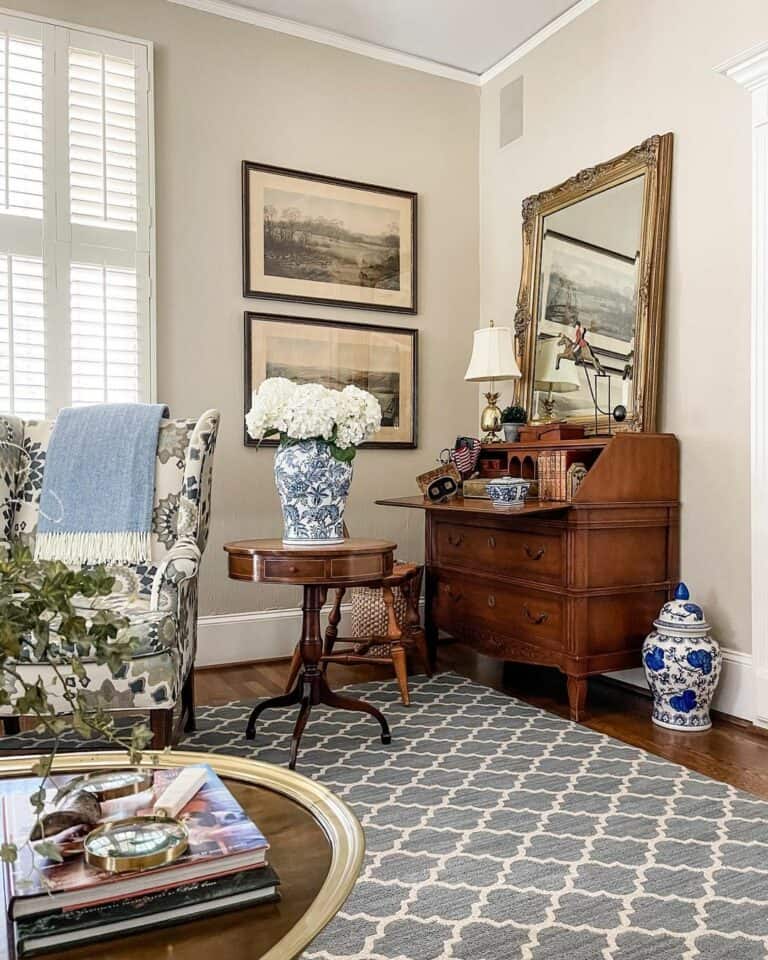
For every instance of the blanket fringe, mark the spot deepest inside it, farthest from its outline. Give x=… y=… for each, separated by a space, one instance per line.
x=112 y=547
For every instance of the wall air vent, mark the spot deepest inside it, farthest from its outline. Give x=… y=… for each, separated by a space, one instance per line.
x=511 y=112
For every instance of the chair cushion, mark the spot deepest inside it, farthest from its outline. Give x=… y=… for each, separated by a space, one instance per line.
x=153 y=632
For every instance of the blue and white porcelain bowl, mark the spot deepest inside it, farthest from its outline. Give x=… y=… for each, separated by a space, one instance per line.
x=682 y=664
x=507 y=492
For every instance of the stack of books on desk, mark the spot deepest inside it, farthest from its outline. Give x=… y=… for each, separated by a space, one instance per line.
x=54 y=905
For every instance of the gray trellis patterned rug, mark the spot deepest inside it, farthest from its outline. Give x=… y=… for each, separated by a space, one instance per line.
x=497 y=831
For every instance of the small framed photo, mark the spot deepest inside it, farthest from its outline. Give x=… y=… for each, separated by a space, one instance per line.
x=382 y=360
x=317 y=239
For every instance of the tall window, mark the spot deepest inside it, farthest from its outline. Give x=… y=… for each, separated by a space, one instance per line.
x=75 y=218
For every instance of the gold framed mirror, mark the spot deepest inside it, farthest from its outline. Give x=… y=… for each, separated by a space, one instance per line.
x=590 y=307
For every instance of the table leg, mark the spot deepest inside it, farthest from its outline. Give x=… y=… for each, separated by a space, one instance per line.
x=298 y=730
x=331 y=699
x=311 y=687
x=286 y=700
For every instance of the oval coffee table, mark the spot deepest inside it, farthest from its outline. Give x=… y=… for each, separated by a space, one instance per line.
x=355 y=562
x=316 y=847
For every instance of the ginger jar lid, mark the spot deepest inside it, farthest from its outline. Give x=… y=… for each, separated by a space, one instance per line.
x=681 y=613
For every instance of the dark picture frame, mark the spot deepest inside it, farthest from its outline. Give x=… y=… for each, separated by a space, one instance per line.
x=296 y=358
x=307 y=237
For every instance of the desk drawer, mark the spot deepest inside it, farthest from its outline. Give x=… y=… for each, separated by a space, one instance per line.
x=293 y=570
x=516 y=553
x=515 y=612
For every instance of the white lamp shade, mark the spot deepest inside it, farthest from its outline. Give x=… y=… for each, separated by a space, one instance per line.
x=493 y=355
x=548 y=376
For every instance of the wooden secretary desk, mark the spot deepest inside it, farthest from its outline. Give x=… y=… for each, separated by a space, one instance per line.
x=574 y=585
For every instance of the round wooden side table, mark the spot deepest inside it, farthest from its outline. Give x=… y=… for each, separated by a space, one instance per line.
x=355 y=562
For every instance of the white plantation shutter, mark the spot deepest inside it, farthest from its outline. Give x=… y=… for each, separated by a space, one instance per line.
x=102 y=140
x=76 y=242
x=21 y=126
x=105 y=335
x=22 y=335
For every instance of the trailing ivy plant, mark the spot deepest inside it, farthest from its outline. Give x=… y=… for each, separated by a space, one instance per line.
x=40 y=620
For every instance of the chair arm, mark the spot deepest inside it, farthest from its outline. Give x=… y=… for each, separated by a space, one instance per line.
x=180 y=563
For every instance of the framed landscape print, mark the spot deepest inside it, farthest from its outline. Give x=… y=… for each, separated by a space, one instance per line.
x=317 y=239
x=382 y=360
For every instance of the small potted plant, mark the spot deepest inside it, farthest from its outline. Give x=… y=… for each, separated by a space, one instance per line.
x=512 y=418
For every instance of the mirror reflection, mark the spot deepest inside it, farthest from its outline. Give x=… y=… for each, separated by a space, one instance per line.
x=586 y=323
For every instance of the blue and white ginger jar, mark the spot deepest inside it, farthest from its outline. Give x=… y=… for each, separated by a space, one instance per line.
x=682 y=662
x=313 y=488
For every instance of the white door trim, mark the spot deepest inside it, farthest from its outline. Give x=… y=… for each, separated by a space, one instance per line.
x=750 y=69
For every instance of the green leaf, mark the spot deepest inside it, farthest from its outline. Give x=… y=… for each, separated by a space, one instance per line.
x=342 y=454
x=49 y=850
x=9 y=853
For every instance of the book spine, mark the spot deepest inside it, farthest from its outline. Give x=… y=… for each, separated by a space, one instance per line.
x=140 y=925
x=146 y=905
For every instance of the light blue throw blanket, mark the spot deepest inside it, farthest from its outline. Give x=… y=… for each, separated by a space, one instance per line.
x=98 y=484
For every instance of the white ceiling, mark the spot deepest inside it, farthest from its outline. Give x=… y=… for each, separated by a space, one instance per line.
x=470 y=35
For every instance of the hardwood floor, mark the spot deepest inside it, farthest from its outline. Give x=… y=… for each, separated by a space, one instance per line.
x=732 y=751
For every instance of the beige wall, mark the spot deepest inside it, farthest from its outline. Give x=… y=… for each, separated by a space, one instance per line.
x=226 y=92
x=625 y=69
x=618 y=73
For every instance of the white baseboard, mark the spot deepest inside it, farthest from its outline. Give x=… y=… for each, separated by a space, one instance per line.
x=257 y=635
x=735 y=694
x=268 y=634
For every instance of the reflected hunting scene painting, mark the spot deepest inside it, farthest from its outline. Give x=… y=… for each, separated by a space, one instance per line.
x=381 y=360
x=321 y=240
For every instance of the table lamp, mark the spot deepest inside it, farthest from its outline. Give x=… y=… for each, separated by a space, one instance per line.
x=493 y=358
x=551 y=378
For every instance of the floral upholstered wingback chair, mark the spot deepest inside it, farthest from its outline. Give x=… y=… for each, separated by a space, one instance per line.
x=159 y=599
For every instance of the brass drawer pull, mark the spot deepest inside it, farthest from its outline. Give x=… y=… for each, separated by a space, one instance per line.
x=455 y=541
x=491 y=541
x=542 y=617
x=449 y=592
x=491 y=600
x=534 y=554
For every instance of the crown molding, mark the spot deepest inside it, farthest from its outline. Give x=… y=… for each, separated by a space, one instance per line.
x=749 y=68
x=537 y=39
x=234 y=11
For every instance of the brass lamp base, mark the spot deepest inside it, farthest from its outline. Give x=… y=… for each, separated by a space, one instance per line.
x=548 y=406
x=490 y=419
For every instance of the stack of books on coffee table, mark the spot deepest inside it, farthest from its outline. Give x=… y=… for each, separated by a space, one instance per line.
x=53 y=905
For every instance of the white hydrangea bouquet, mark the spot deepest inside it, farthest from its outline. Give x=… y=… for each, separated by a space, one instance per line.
x=343 y=419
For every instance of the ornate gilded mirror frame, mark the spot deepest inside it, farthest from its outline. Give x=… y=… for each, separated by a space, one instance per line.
x=653 y=157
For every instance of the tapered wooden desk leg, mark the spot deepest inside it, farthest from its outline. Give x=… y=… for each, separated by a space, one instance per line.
x=577 y=697
x=430 y=627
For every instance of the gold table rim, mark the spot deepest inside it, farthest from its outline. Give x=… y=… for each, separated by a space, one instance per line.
x=339 y=823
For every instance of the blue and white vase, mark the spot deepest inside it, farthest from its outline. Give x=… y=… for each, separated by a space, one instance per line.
x=313 y=488
x=682 y=663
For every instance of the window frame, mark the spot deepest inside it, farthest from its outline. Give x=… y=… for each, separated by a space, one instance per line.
x=62 y=239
